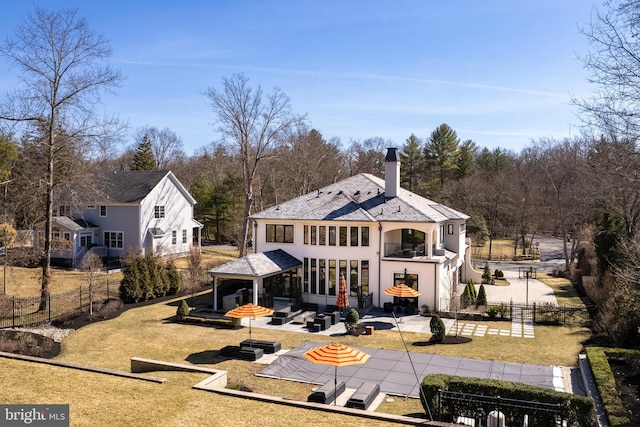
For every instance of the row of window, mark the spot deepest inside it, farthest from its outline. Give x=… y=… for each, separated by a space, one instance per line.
x=336 y=235
x=322 y=276
x=319 y=235
x=112 y=239
x=65 y=210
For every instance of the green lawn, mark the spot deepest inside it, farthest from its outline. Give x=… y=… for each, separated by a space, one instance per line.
x=150 y=332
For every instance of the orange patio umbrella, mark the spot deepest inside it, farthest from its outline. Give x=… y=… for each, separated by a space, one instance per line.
x=336 y=354
x=250 y=311
x=402 y=291
x=343 y=299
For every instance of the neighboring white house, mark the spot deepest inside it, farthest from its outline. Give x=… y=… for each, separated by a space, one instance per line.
x=146 y=211
x=364 y=228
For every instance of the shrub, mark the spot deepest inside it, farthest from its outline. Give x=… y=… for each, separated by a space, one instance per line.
x=482 y=297
x=175 y=278
x=578 y=409
x=183 y=310
x=492 y=311
x=147 y=278
x=469 y=294
x=437 y=329
x=499 y=274
x=486 y=274
x=351 y=320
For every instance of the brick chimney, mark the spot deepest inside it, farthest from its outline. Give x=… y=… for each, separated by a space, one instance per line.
x=391 y=173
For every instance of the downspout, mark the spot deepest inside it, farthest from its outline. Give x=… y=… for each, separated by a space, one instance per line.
x=436 y=303
x=255 y=236
x=379 y=260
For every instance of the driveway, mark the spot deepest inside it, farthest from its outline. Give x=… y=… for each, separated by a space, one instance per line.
x=522 y=290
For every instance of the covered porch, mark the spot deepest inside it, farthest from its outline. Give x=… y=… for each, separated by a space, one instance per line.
x=262 y=278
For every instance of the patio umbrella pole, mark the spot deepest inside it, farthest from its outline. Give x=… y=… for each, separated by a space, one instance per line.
x=335 y=387
x=422 y=396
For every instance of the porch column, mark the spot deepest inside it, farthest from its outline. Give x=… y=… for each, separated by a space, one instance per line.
x=215 y=293
x=255 y=291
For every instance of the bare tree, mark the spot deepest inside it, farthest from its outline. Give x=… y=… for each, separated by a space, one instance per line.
x=92 y=265
x=613 y=63
x=63 y=71
x=165 y=145
x=7 y=236
x=255 y=123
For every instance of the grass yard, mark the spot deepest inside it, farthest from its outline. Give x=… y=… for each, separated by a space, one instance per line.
x=150 y=332
x=25 y=282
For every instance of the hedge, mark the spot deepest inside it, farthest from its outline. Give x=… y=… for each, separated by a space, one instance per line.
x=606 y=383
x=577 y=409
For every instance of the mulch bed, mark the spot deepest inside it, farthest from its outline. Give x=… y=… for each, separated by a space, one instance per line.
x=628 y=386
x=33 y=344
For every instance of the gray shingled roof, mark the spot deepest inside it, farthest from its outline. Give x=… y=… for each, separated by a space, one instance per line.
x=361 y=198
x=75 y=224
x=261 y=264
x=129 y=186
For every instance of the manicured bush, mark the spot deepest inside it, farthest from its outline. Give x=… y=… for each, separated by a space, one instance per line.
x=469 y=294
x=482 y=297
x=498 y=274
x=579 y=410
x=351 y=320
x=486 y=274
x=606 y=385
x=175 y=278
x=437 y=329
x=472 y=288
x=183 y=310
x=146 y=278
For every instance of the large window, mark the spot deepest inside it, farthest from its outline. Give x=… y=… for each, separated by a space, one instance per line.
x=114 y=239
x=314 y=276
x=332 y=277
x=322 y=235
x=364 y=277
x=103 y=210
x=158 y=211
x=184 y=236
x=353 y=278
x=343 y=236
x=314 y=234
x=305 y=275
x=354 y=236
x=322 y=288
x=279 y=233
x=364 y=236
x=332 y=235
x=174 y=237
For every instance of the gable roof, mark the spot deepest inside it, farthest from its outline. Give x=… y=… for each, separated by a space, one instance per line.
x=260 y=264
x=128 y=186
x=361 y=198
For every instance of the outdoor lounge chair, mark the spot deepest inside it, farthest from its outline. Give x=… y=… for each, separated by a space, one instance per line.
x=243 y=353
x=327 y=393
x=364 y=396
x=269 y=347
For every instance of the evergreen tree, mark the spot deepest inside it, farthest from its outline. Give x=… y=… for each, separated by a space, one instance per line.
x=143 y=159
x=482 y=297
x=440 y=153
x=437 y=329
x=411 y=160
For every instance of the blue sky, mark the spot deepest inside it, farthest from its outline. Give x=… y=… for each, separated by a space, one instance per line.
x=499 y=72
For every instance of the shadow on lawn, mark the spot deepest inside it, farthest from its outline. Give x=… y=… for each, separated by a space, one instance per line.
x=447 y=340
x=206 y=357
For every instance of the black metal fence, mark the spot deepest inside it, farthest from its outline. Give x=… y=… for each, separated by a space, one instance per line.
x=456 y=406
x=540 y=312
x=20 y=311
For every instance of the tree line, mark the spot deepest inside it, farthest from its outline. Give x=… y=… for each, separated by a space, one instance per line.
x=583 y=189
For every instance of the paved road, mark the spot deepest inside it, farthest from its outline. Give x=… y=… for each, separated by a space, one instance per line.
x=522 y=290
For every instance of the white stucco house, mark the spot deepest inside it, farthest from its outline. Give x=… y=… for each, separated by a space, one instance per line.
x=364 y=228
x=146 y=211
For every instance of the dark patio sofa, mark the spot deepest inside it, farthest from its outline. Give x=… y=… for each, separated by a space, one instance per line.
x=327 y=393
x=364 y=396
